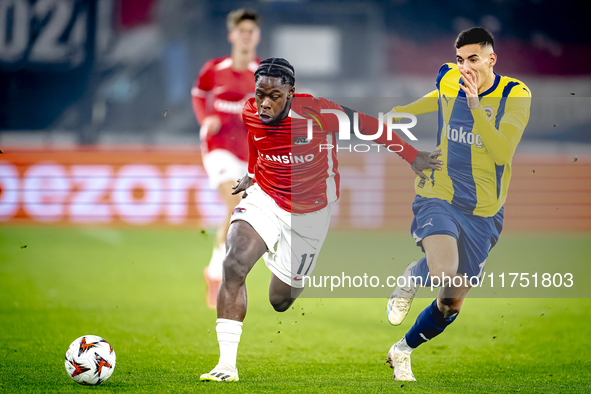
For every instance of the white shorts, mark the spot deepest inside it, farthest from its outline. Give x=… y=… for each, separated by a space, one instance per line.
x=222 y=165
x=293 y=240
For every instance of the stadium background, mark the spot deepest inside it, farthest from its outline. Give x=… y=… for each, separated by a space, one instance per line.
x=100 y=169
x=125 y=102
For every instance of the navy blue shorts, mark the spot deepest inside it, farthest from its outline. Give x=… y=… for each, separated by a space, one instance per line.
x=475 y=235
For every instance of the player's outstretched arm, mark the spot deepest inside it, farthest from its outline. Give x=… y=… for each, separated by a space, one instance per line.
x=424 y=105
x=419 y=161
x=426 y=161
x=242 y=185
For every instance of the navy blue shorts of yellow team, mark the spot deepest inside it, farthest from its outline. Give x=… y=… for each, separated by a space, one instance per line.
x=475 y=235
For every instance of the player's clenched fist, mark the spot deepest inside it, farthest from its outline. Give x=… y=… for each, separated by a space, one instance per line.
x=242 y=185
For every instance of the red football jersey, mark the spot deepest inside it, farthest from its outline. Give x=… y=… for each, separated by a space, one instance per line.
x=302 y=175
x=220 y=90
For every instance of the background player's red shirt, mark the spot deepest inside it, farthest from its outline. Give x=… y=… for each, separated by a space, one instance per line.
x=299 y=175
x=220 y=90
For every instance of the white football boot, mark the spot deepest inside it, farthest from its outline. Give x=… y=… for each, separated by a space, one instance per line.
x=401 y=299
x=400 y=362
x=221 y=373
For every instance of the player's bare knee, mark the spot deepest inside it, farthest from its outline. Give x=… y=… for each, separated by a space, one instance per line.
x=280 y=304
x=450 y=306
x=443 y=275
x=235 y=268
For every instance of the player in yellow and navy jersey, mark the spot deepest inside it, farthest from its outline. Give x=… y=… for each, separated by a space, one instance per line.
x=459 y=211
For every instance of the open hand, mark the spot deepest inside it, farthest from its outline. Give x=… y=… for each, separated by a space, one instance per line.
x=426 y=161
x=470 y=87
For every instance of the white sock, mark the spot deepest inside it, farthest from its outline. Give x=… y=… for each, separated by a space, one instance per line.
x=403 y=347
x=229 y=332
x=215 y=267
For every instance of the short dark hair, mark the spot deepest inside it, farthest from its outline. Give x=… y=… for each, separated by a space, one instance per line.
x=239 y=15
x=278 y=68
x=475 y=35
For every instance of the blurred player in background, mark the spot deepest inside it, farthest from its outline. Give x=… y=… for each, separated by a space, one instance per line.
x=222 y=88
x=289 y=188
x=459 y=210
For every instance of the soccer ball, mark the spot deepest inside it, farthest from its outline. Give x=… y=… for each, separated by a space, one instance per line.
x=90 y=360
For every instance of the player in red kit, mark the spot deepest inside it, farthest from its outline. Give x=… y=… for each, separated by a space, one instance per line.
x=285 y=211
x=222 y=88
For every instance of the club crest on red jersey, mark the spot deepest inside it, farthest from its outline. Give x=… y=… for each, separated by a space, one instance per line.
x=301 y=141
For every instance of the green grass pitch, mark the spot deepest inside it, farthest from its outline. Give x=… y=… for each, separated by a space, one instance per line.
x=142 y=290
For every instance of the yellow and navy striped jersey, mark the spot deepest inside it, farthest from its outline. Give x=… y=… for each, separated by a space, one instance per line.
x=477 y=145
